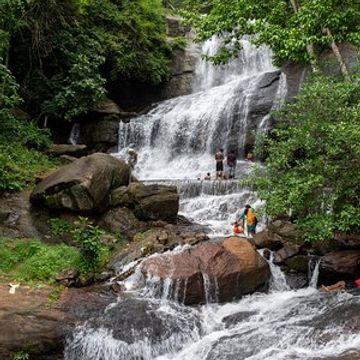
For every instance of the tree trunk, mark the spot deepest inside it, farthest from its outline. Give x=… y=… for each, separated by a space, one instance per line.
x=337 y=53
x=310 y=47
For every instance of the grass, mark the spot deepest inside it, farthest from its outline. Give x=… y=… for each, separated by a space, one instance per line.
x=20 y=165
x=33 y=261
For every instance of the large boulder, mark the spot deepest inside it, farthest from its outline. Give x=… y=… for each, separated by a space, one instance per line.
x=210 y=271
x=32 y=323
x=340 y=265
x=347 y=241
x=277 y=234
x=121 y=220
x=27 y=324
x=149 y=202
x=83 y=185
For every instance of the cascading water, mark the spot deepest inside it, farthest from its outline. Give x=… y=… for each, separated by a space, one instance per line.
x=177 y=139
x=176 y=142
x=283 y=324
x=180 y=135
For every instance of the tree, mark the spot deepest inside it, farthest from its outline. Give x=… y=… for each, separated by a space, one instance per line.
x=294 y=29
x=314 y=159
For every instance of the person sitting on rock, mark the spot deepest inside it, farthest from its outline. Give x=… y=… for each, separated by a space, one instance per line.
x=237 y=229
x=207 y=177
x=339 y=286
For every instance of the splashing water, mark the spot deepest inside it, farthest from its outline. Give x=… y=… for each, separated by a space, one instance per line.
x=314 y=274
x=176 y=142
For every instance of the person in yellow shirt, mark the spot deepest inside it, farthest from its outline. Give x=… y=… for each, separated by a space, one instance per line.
x=248 y=217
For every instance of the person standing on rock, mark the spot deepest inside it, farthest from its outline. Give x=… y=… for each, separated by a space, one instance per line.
x=132 y=158
x=231 y=161
x=219 y=158
x=249 y=219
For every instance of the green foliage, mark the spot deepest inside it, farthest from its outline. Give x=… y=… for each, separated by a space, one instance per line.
x=20 y=355
x=19 y=165
x=132 y=35
x=88 y=238
x=275 y=23
x=59 y=226
x=312 y=169
x=32 y=260
x=62 y=52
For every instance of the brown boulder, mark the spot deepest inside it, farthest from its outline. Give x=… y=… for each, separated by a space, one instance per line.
x=277 y=234
x=32 y=322
x=28 y=324
x=287 y=251
x=149 y=202
x=347 y=241
x=83 y=185
x=340 y=265
x=121 y=220
x=68 y=277
x=211 y=271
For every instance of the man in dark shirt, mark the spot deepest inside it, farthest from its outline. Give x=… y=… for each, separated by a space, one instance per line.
x=219 y=158
x=231 y=161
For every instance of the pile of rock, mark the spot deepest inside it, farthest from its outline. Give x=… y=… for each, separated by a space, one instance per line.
x=339 y=257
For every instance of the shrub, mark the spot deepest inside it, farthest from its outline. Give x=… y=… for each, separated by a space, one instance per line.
x=312 y=169
x=88 y=237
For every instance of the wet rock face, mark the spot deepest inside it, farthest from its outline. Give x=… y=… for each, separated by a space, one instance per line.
x=211 y=271
x=83 y=185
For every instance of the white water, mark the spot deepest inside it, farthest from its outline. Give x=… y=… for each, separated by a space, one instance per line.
x=176 y=142
x=283 y=324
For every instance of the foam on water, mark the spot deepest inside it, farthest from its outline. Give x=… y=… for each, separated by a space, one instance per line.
x=176 y=142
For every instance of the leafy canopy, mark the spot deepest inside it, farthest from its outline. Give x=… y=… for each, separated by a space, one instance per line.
x=275 y=23
x=63 y=52
x=312 y=169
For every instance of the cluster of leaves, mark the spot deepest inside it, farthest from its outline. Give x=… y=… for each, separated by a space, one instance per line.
x=20 y=139
x=20 y=355
x=32 y=260
x=87 y=237
x=275 y=23
x=312 y=169
x=62 y=52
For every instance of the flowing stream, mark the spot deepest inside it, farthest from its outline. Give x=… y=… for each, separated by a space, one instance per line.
x=176 y=142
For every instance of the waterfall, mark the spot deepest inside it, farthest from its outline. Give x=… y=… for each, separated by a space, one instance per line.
x=176 y=143
x=228 y=105
x=74 y=134
x=250 y=61
x=313 y=274
x=278 y=278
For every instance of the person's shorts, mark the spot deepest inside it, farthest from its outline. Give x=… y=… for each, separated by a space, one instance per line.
x=219 y=166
